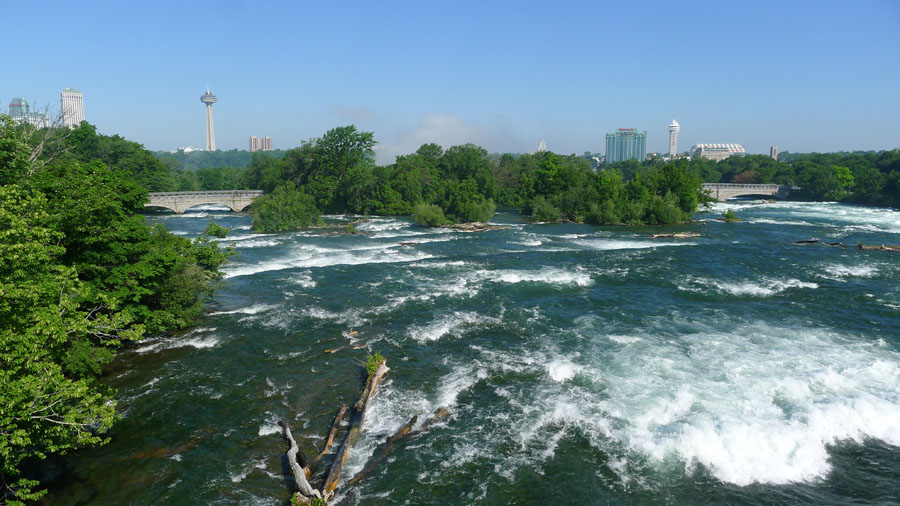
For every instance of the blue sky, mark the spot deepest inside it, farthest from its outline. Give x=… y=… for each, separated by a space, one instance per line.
x=807 y=76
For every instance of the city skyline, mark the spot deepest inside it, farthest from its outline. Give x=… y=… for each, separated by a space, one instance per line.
x=812 y=78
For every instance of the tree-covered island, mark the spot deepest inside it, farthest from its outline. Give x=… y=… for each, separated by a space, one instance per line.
x=337 y=174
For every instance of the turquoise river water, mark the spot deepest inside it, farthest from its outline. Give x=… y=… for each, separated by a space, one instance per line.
x=580 y=364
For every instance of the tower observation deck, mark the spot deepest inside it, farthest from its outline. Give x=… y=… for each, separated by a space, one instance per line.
x=674 y=127
x=209 y=99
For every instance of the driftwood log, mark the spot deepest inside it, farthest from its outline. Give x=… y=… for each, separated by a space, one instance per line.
x=357 y=418
x=388 y=448
x=404 y=432
x=301 y=468
x=297 y=463
x=816 y=241
x=331 y=434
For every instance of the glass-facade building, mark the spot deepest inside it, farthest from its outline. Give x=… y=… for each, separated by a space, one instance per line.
x=18 y=109
x=20 y=112
x=626 y=144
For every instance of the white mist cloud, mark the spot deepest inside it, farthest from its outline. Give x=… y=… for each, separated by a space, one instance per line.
x=450 y=130
x=400 y=138
x=362 y=114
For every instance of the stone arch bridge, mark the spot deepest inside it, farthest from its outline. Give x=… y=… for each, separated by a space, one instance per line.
x=725 y=191
x=236 y=200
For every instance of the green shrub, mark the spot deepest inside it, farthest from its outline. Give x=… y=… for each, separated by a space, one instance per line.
x=316 y=501
x=664 y=210
x=429 y=215
x=604 y=214
x=543 y=211
x=729 y=216
x=372 y=362
x=284 y=209
x=216 y=230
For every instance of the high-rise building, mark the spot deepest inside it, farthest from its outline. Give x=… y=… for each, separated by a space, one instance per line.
x=260 y=143
x=626 y=144
x=674 y=127
x=209 y=99
x=18 y=109
x=71 y=107
x=542 y=146
x=773 y=152
x=20 y=112
x=718 y=152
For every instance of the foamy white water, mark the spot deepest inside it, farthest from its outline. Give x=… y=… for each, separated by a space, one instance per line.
x=759 y=288
x=755 y=404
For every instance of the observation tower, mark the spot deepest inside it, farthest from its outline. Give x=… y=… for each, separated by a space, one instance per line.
x=674 y=127
x=209 y=99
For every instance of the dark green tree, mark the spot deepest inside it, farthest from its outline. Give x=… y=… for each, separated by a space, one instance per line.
x=283 y=209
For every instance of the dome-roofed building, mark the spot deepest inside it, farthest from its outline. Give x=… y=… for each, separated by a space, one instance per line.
x=718 y=151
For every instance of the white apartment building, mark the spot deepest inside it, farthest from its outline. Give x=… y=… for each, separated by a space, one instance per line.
x=71 y=107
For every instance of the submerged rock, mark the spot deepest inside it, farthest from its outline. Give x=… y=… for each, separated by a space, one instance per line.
x=883 y=247
x=676 y=235
x=476 y=226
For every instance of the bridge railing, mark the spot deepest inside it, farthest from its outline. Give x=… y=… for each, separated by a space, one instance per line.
x=225 y=193
x=740 y=186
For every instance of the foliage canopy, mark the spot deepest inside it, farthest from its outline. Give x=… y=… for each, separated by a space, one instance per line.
x=80 y=272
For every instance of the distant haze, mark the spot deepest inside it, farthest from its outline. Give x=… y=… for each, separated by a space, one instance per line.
x=803 y=76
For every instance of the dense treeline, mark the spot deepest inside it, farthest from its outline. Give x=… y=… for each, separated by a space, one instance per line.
x=216 y=170
x=429 y=178
x=80 y=272
x=162 y=171
x=870 y=177
x=193 y=160
x=337 y=174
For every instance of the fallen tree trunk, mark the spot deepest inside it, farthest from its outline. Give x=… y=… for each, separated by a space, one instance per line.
x=405 y=431
x=295 y=456
x=438 y=415
x=356 y=421
x=389 y=447
x=331 y=434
